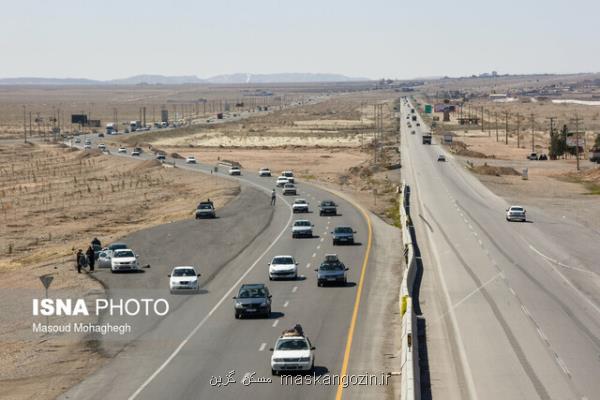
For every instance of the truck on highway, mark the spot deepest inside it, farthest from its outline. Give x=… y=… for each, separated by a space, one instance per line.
x=427 y=138
x=111 y=128
x=134 y=125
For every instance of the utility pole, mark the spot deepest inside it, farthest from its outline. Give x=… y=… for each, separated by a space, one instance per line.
x=577 y=139
x=505 y=127
x=532 y=133
x=496 y=123
x=482 y=121
x=518 y=131
x=24 y=123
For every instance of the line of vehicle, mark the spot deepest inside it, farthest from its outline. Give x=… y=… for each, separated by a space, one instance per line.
x=211 y=312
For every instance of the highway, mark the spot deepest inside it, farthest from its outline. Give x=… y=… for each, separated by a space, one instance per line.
x=176 y=356
x=511 y=312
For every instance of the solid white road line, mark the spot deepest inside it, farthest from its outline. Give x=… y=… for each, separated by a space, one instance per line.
x=212 y=311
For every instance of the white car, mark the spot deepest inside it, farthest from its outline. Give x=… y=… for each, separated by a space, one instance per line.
x=190 y=160
x=282 y=180
x=289 y=175
x=87 y=146
x=282 y=267
x=102 y=146
x=441 y=158
x=289 y=189
x=292 y=353
x=235 y=171
x=77 y=140
x=136 y=152
x=300 y=206
x=302 y=228
x=184 y=278
x=124 y=260
x=516 y=213
x=122 y=150
x=264 y=172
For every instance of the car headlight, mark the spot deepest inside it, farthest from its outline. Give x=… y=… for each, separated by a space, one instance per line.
x=238 y=304
x=304 y=359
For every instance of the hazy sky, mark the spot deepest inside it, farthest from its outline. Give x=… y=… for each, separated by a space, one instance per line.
x=106 y=39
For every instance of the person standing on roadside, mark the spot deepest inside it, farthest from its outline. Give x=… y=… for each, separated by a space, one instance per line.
x=91 y=258
x=80 y=259
x=273 y=197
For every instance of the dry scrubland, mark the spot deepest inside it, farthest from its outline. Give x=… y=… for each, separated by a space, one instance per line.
x=101 y=101
x=328 y=142
x=53 y=201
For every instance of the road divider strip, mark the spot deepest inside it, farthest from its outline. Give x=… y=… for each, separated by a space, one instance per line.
x=410 y=387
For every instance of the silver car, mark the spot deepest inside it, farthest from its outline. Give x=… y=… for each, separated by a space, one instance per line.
x=516 y=213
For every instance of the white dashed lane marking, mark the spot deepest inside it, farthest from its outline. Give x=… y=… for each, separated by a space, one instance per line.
x=294 y=289
x=275 y=323
x=262 y=346
x=287 y=303
x=314 y=255
x=308 y=265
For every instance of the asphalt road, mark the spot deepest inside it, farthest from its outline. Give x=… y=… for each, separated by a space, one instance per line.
x=511 y=313
x=176 y=356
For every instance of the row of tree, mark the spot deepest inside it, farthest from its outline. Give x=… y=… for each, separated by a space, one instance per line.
x=558 y=143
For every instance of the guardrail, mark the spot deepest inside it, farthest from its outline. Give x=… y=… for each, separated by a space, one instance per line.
x=410 y=387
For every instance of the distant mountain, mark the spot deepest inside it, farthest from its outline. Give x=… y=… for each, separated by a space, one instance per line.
x=47 y=81
x=178 y=80
x=281 y=78
x=156 y=80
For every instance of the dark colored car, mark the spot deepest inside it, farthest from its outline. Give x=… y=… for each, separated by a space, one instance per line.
x=332 y=270
x=253 y=299
x=327 y=207
x=343 y=235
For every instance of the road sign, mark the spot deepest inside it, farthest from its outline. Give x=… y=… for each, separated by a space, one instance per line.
x=46 y=280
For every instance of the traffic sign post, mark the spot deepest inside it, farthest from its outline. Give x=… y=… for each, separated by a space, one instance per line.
x=46 y=281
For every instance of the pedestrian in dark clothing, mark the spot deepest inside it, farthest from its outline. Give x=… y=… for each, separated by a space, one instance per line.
x=273 y=197
x=80 y=260
x=96 y=242
x=91 y=258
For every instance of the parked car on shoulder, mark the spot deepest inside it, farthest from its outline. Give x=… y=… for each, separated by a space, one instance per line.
x=441 y=157
x=137 y=151
x=124 y=260
x=122 y=150
x=190 y=160
x=235 y=171
x=161 y=157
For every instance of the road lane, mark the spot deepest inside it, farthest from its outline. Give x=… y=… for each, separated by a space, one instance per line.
x=223 y=343
x=525 y=324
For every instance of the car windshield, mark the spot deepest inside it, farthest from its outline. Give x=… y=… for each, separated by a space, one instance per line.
x=283 y=260
x=184 y=272
x=302 y=223
x=289 y=185
x=205 y=207
x=124 y=253
x=327 y=203
x=331 y=267
x=300 y=202
x=252 y=293
x=343 y=229
x=117 y=246
x=292 y=344
x=517 y=209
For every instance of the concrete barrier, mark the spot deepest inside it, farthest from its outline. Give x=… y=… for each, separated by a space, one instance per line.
x=410 y=388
